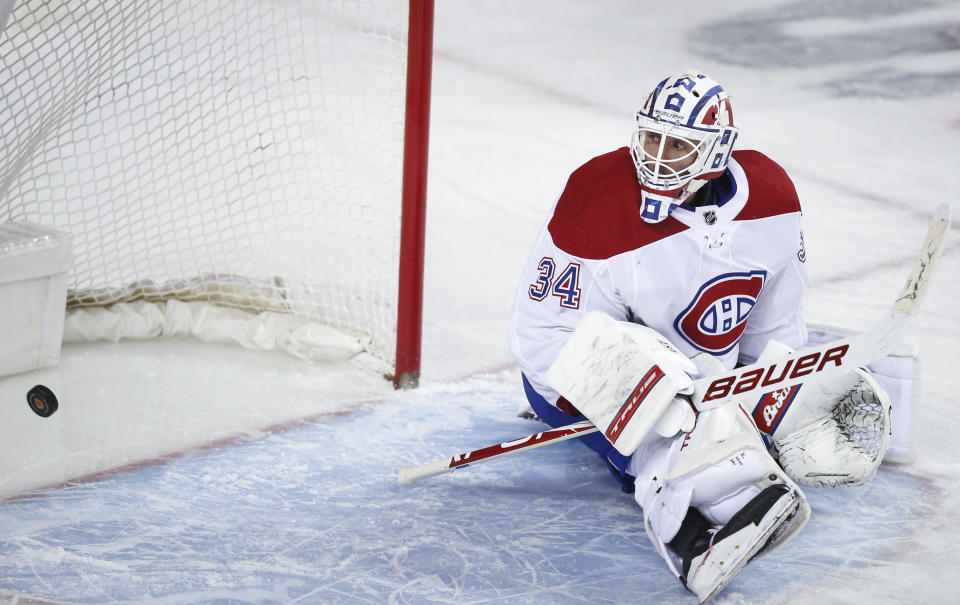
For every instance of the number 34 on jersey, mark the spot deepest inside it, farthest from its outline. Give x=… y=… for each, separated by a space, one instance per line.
x=565 y=285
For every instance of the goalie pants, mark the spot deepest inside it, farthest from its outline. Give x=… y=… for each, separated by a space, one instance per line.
x=550 y=414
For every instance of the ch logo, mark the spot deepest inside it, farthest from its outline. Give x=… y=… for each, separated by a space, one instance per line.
x=717 y=316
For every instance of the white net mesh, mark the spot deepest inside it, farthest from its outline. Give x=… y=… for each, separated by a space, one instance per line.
x=240 y=152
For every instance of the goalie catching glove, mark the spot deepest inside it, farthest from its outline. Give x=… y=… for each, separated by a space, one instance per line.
x=827 y=433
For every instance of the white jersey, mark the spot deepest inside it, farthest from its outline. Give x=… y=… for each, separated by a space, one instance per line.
x=721 y=279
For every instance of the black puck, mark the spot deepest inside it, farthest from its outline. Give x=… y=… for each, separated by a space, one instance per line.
x=42 y=401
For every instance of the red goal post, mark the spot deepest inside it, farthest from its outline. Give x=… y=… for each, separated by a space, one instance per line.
x=267 y=160
x=416 y=141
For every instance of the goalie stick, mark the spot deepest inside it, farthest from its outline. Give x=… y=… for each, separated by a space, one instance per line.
x=755 y=379
x=409 y=474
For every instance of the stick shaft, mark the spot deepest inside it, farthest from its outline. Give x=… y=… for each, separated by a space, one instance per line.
x=409 y=474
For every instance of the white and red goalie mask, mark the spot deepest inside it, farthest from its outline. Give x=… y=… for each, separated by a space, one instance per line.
x=690 y=112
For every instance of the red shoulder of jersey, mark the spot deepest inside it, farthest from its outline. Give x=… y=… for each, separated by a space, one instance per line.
x=598 y=214
x=771 y=190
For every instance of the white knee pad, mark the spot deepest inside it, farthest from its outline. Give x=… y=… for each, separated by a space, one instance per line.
x=717 y=468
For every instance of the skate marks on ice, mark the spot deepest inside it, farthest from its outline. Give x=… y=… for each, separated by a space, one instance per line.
x=899 y=50
x=315 y=514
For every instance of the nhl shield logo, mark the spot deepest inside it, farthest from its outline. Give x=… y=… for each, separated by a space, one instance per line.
x=714 y=321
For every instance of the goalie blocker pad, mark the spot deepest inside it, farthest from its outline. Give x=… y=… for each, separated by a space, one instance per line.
x=625 y=378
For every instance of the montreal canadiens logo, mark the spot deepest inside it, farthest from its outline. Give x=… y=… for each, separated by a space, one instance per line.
x=714 y=321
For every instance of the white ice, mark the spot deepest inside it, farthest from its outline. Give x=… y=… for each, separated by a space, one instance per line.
x=209 y=473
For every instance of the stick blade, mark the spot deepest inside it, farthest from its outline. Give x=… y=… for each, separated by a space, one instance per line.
x=913 y=292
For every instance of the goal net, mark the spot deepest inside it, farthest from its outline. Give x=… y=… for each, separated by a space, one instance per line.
x=240 y=155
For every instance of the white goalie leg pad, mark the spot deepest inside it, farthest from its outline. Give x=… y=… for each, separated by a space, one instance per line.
x=626 y=379
x=828 y=433
x=718 y=468
x=663 y=509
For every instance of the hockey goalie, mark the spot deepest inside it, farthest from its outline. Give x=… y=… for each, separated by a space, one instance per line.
x=667 y=260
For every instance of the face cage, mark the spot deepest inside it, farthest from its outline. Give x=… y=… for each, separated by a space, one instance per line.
x=657 y=173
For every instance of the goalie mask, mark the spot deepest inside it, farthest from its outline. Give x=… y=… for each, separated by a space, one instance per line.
x=684 y=138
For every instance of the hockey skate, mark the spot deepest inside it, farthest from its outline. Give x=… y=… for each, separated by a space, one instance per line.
x=713 y=558
x=713 y=499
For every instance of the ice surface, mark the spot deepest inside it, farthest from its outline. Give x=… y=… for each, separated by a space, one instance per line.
x=314 y=514
x=254 y=477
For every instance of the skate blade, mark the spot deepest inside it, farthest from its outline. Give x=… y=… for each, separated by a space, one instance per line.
x=735 y=557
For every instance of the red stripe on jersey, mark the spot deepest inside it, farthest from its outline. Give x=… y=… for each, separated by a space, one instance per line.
x=568 y=408
x=771 y=191
x=598 y=215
